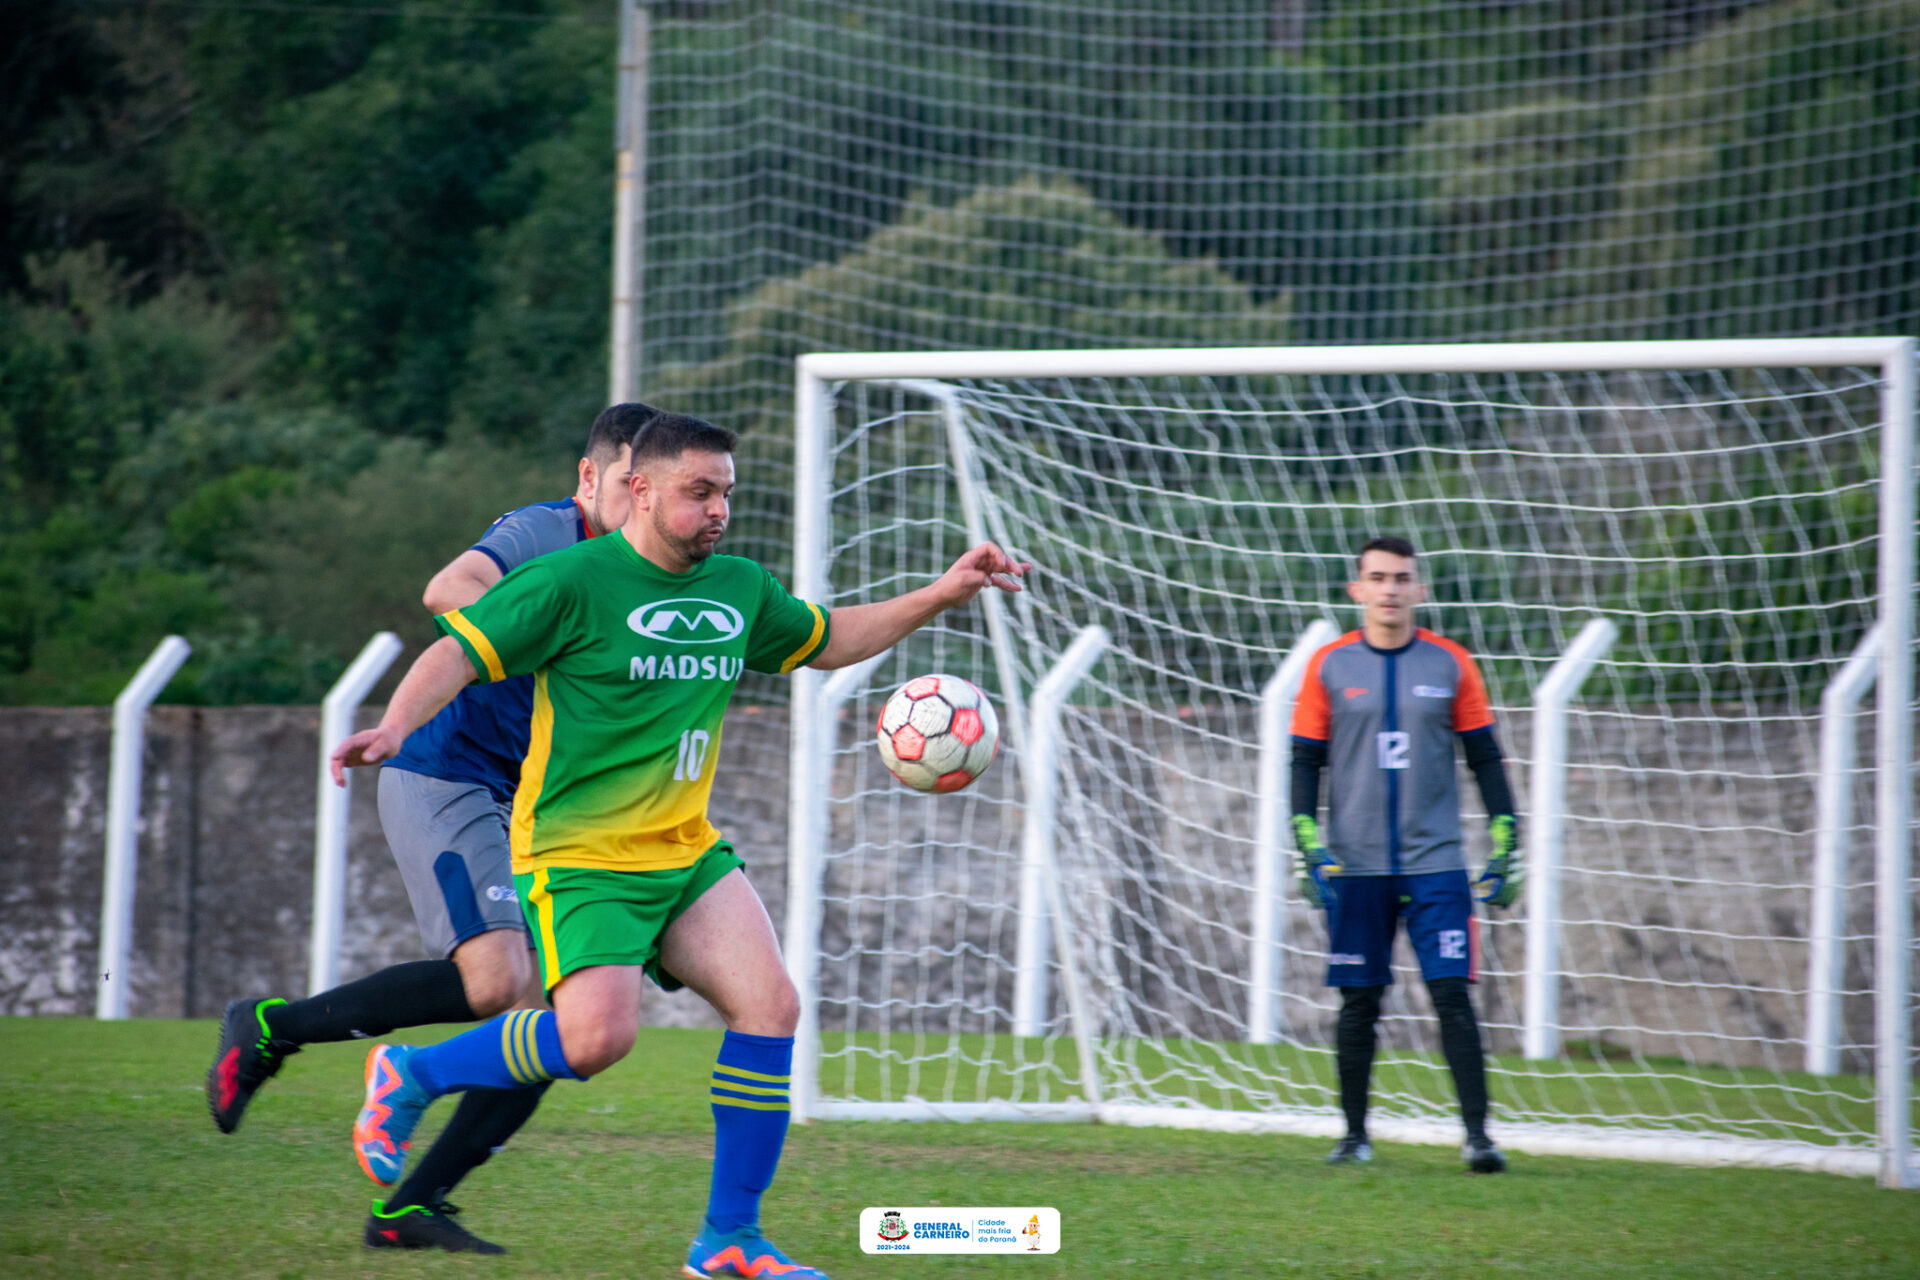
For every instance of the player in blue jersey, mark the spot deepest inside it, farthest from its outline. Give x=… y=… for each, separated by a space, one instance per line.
x=1380 y=709
x=445 y=803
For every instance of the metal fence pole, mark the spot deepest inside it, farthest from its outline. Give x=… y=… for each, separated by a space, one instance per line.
x=123 y=821
x=332 y=806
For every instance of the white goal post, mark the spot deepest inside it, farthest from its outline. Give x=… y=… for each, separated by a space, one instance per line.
x=1693 y=976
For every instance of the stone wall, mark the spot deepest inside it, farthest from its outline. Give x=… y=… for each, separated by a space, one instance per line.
x=224 y=892
x=1687 y=904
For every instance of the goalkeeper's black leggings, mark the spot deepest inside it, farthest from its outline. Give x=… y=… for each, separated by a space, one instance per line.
x=1353 y=1044
x=1355 y=1039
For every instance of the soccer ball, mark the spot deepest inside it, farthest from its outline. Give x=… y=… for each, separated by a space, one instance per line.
x=938 y=733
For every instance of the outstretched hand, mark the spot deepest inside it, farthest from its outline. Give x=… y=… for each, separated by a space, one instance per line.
x=984 y=566
x=369 y=746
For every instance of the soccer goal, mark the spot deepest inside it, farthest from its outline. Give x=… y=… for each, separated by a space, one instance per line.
x=1687 y=572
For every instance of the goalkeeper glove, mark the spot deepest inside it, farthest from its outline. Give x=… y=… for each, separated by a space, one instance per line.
x=1314 y=865
x=1500 y=884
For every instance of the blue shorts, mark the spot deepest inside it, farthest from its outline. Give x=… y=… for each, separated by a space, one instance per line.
x=1439 y=913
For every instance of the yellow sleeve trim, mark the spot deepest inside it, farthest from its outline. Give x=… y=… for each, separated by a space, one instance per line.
x=806 y=650
x=482 y=646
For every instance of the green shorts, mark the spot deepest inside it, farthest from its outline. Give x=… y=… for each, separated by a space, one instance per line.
x=580 y=916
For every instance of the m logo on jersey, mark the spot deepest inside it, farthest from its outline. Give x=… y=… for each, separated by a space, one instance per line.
x=1431 y=691
x=687 y=621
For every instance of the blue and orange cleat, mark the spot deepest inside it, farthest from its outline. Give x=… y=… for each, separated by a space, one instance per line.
x=744 y=1252
x=383 y=1131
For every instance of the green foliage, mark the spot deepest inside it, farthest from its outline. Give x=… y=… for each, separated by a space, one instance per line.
x=364 y=191
x=86 y=95
x=333 y=563
x=1006 y=267
x=536 y=370
x=244 y=249
x=1506 y=195
x=85 y=368
x=103 y=636
x=1395 y=64
x=1185 y=125
x=1731 y=219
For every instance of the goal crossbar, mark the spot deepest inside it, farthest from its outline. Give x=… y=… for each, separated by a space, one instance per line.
x=1465 y=357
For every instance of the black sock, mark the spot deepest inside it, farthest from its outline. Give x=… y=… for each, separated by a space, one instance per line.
x=481 y=1125
x=1353 y=1043
x=402 y=995
x=1460 y=1042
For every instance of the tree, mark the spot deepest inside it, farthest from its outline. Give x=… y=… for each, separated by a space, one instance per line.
x=1773 y=184
x=1038 y=263
x=353 y=196
x=1508 y=197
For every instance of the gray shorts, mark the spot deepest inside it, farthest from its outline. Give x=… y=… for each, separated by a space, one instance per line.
x=450 y=841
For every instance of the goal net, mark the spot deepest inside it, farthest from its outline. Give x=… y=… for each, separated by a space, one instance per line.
x=1712 y=961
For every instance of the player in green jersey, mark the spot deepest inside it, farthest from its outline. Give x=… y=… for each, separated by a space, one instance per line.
x=635 y=643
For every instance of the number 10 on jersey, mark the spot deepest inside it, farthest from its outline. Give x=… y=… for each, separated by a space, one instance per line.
x=693 y=755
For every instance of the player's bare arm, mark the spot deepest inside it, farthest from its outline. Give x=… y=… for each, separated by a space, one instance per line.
x=602 y=497
x=859 y=631
x=433 y=681
x=460 y=582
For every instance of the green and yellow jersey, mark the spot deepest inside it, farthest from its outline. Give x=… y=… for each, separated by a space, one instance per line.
x=632 y=669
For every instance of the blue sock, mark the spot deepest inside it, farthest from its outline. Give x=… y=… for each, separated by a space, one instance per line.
x=749 y=1124
x=515 y=1049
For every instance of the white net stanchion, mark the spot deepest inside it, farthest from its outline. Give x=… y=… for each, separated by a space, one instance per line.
x=1726 y=506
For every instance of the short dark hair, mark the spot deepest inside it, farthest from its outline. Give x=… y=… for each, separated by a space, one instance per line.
x=1392 y=546
x=671 y=434
x=617 y=425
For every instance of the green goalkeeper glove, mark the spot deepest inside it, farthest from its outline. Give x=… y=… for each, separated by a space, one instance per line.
x=1500 y=884
x=1314 y=865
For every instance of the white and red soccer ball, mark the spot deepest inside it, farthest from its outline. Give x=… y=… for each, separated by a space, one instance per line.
x=938 y=733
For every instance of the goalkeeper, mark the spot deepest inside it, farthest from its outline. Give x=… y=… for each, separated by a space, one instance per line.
x=1380 y=708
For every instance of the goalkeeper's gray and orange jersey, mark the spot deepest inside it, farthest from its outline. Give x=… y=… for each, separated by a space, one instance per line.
x=1385 y=721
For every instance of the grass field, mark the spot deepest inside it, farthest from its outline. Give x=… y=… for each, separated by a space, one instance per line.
x=109 y=1166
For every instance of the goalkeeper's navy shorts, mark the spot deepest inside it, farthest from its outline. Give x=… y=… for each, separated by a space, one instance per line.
x=1439 y=913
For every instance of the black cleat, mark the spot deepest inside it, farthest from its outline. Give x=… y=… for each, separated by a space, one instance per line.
x=1351 y=1150
x=248 y=1057
x=423 y=1226
x=1481 y=1156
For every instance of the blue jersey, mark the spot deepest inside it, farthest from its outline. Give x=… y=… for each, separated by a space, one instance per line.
x=481 y=736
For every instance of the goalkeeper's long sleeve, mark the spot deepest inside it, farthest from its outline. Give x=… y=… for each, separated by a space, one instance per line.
x=1309 y=758
x=1489 y=771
